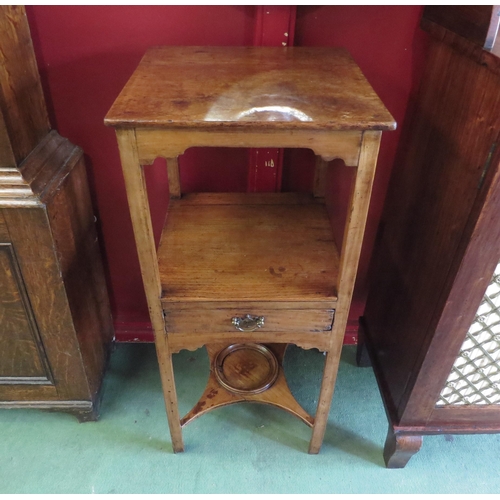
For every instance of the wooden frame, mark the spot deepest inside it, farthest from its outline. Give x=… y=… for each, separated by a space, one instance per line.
x=56 y=327
x=439 y=238
x=140 y=143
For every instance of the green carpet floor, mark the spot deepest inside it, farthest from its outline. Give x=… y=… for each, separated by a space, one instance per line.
x=246 y=448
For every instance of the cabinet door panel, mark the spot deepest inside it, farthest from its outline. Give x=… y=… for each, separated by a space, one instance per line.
x=23 y=360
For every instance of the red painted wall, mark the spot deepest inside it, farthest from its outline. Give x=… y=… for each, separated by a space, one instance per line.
x=87 y=53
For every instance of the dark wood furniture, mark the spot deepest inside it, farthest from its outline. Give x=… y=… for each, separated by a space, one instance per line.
x=55 y=321
x=437 y=248
x=245 y=274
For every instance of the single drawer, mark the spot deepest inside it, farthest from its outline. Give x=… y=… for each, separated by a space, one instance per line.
x=248 y=319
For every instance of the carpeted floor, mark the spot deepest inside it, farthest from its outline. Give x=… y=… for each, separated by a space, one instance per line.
x=246 y=448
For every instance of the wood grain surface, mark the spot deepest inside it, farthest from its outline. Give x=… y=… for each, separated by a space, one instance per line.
x=247 y=252
x=224 y=254
x=438 y=243
x=243 y=87
x=24 y=120
x=22 y=360
x=428 y=205
x=472 y=22
x=279 y=395
x=55 y=320
x=219 y=320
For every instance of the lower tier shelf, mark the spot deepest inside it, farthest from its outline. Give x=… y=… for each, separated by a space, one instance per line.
x=251 y=373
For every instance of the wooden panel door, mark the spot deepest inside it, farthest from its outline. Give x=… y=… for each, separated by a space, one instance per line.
x=439 y=239
x=23 y=359
x=55 y=321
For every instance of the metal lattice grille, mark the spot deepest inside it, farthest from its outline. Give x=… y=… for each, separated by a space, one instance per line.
x=475 y=376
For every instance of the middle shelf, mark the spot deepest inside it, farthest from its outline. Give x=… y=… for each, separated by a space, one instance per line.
x=270 y=247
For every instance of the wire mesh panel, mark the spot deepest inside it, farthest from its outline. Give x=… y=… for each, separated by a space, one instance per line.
x=475 y=376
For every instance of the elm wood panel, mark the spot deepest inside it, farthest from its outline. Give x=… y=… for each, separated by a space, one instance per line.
x=29 y=149
x=75 y=240
x=453 y=131
x=469 y=21
x=247 y=253
x=31 y=237
x=22 y=103
x=464 y=46
x=193 y=341
x=474 y=263
x=219 y=320
x=51 y=171
x=247 y=87
x=171 y=142
x=22 y=359
x=20 y=343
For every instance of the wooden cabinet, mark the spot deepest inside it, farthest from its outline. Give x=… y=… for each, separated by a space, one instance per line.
x=433 y=343
x=245 y=274
x=55 y=321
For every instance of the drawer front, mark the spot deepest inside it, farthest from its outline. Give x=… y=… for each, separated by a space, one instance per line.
x=274 y=320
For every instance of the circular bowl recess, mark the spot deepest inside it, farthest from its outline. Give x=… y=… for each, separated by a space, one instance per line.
x=246 y=368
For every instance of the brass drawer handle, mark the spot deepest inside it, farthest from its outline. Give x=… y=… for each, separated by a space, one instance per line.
x=248 y=323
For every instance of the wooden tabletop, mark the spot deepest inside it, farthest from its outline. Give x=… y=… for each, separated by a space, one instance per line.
x=294 y=88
